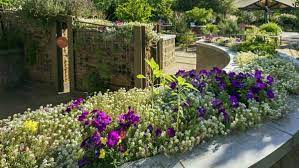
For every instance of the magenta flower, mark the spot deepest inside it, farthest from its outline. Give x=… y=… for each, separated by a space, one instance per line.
x=113 y=139
x=83 y=116
x=101 y=120
x=171 y=132
x=128 y=119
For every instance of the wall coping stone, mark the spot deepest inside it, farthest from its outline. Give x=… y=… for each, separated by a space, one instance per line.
x=167 y=36
x=258 y=147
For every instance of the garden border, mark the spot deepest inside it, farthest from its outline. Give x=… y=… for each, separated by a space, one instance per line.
x=258 y=147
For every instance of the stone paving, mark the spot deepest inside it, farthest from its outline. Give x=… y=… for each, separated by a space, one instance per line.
x=32 y=96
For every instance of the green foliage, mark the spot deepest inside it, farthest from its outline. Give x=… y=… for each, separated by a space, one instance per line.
x=210 y=29
x=246 y=17
x=200 y=15
x=162 y=9
x=187 y=39
x=228 y=27
x=7 y=3
x=271 y=28
x=52 y=8
x=287 y=21
x=134 y=10
x=180 y=23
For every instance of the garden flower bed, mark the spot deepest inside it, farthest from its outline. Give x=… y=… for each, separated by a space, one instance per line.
x=183 y=110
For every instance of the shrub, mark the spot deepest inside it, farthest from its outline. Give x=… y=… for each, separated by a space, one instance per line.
x=271 y=28
x=200 y=15
x=259 y=42
x=187 y=39
x=51 y=8
x=162 y=9
x=287 y=21
x=228 y=27
x=134 y=10
x=246 y=17
x=210 y=29
x=244 y=58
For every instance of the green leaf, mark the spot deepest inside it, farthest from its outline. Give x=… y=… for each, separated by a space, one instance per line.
x=140 y=76
x=181 y=80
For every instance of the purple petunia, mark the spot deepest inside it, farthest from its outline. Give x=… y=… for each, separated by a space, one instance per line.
x=217 y=103
x=258 y=75
x=181 y=73
x=96 y=138
x=234 y=101
x=128 y=119
x=201 y=112
x=260 y=85
x=192 y=74
x=75 y=104
x=250 y=95
x=113 y=139
x=158 y=132
x=101 y=120
x=173 y=85
x=83 y=116
x=150 y=128
x=224 y=113
x=171 y=132
x=270 y=94
x=270 y=80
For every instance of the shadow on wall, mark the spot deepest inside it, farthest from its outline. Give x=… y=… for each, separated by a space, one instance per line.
x=209 y=57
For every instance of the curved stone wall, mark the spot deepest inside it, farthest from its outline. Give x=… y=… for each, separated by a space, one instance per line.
x=210 y=56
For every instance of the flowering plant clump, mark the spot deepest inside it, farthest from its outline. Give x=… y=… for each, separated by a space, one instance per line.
x=109 y=129
x=104 y=144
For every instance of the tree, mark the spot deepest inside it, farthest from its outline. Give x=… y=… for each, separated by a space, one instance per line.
x=200 y=15
x=162 y=9
x=134 y=10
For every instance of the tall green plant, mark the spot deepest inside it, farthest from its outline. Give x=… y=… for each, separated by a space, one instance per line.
x=134 y=10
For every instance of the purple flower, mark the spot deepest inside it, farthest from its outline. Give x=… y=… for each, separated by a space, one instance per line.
x=217 y=103
x=158 y=132
x=181 y=73
x=171 y=132
x=232 y=75
x=270 y=80
x=83 y=116
x=84 y=162
x=216 y=71
x=250 y=95
x=122 y=148
x=201 y=112
x=258 y=74
x=150 y=128
x=260 y=85
x=101 y=120
x=236 y=84
x=203 y=72
x=113 y=139
x=128 y=119
x=173 y=85
x=234 y=101
x=192 y=73
x=201 y=86
x=225 y=114
x=96 y=138
x=270 y=94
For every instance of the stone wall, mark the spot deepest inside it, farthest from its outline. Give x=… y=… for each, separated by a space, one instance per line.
x=11 y=67
x=167 y=51
x=38 y=41
x=103 y=62
x=209 y=57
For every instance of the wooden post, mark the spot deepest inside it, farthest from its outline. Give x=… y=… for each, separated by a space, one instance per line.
x=52 y=51
x=139 y=55
x=69 y=22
